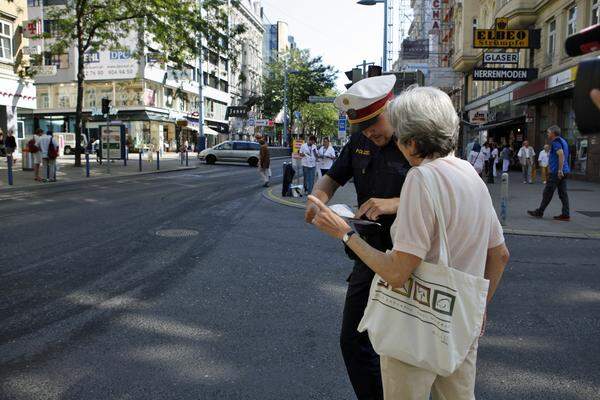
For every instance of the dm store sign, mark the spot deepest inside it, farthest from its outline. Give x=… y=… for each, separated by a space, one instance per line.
x=110 y=64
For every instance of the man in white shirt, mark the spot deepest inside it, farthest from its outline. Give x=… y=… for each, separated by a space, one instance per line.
x=543 y=161
x=326 y=156
x=49 y=161
x=526 y=156
x=308 y=152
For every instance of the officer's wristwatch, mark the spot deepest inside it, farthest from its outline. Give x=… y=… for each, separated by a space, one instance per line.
x=347 y=236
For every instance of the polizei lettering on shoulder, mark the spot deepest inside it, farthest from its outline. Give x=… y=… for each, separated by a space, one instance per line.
x=504 y=74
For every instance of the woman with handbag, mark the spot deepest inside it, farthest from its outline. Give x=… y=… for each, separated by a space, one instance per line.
x=427 y=303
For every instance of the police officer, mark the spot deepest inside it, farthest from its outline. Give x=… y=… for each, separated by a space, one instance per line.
x=372 y=158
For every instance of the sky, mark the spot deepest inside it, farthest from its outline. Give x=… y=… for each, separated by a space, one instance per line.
x=342 y=32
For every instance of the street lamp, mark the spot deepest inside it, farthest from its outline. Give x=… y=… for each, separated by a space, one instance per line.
x=385 y=26
x=285 y=100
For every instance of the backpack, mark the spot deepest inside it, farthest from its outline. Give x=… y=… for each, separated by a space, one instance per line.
x=32 y=147
x=52 y=150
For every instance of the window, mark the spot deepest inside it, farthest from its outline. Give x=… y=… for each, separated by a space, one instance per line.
x=551 y=26
x=571 y=20
x=225 y=146
x=595 y=12
x=60 y=60
x=5 y=40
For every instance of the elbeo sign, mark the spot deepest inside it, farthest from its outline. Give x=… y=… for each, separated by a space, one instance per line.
x=500 y=58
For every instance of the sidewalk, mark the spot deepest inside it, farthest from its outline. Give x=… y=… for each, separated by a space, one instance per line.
x=68 y=173
x=584 y=198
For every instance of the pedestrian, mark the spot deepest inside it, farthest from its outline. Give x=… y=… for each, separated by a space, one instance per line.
x=495 y=156
x=469 y=148
x=11 y=145
x=506 y=156
x=326 y=156
x=49 y=149
x=34 y=148
x=2 y=146
x=378 y=169
x=526 y=156
x=477 y=159
x=308 y=152
x=558 y=166
x=426 y=126
x=487 y=157
x=543 y=161
x=264 y=162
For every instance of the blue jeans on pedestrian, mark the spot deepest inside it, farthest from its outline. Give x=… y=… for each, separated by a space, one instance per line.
x=309 y=178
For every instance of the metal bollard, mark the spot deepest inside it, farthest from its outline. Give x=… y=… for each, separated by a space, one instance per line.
x=140 y=160
x=186 y=159
x=504 y=199
x=87 y=164
x=126 y=156
x=157 y=160
x=9 y=160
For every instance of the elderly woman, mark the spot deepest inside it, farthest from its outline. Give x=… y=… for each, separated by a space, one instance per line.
x=426 y=127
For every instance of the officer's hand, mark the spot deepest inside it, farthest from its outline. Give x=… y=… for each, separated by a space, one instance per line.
x=329 y=222
x=373 y=208
x=311 y=211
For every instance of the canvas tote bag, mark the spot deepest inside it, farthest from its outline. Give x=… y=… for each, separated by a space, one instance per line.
x=432 y=321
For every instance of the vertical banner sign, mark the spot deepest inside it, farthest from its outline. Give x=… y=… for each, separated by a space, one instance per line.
x=342 y=127
x=435 y=17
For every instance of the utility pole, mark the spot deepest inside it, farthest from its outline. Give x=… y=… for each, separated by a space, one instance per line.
x=285 y=103
x=200 y=80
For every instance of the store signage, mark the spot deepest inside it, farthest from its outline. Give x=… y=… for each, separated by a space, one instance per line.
x=478 y=117
x=415 y=49
x=500 y=58
x=44 y=70
x=32 y=28
x=435 y=17
x=263 y=122
x=502 y=38
x=32 y=50
x=236 y=112
x=561 y=78
x=112 y=64
x=505 y=74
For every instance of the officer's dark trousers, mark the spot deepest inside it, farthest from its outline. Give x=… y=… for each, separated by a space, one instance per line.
x=553 y=183
x=361 y=360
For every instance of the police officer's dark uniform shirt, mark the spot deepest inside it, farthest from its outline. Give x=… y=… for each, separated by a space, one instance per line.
x=378 y=173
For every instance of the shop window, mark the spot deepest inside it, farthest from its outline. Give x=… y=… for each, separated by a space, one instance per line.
x=595 y=17
x=5 y=40
x=128 y=94
x=571 y=20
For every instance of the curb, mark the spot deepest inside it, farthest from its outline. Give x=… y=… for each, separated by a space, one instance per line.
x=92 y=179
x=268 y=194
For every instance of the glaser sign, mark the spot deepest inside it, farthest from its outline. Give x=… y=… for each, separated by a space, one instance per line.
x=500 y=58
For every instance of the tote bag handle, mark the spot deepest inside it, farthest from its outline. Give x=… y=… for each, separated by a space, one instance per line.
x=432 y=189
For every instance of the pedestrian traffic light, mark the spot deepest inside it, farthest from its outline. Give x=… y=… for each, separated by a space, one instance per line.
x=374 y=70
x=105 y=105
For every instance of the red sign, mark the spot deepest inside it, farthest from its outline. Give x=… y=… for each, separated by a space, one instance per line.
x=32 y=28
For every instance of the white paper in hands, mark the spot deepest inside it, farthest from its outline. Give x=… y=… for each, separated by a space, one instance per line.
x=347 y=213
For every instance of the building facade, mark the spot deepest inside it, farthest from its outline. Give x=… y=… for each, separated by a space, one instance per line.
x=511 y=112
x=17 y=94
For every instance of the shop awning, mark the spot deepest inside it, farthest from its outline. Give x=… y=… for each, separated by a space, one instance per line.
x=207 y=130
x=512 y=121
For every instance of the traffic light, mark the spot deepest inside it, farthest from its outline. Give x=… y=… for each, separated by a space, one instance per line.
x=105 y=105
x=354 y=75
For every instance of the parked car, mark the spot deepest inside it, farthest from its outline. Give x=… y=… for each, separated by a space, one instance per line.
x=232 y=151
x=69 y=142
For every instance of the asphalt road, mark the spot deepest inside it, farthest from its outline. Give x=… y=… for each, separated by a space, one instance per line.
x=95 y=305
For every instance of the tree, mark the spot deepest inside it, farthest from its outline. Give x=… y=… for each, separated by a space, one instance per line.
x=320 y=119
x=170 y=26
x=309 y=77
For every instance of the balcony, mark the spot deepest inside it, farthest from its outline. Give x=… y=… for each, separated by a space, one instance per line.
x=521 y=13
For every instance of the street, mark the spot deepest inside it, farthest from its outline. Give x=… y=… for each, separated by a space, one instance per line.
x=246 y=304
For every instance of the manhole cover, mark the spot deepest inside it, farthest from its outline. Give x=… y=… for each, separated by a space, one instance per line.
x=591 y=214
x=176 y=233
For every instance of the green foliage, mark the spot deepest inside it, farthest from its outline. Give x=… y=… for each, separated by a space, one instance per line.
x=320 y=119
x=313 y=78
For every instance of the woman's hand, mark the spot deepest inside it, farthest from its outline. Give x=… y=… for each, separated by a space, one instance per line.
x=327 y=221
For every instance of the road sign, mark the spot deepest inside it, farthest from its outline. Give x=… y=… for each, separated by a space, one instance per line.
x=263 y=122
x=342 y=127
x=320 y=99
x=251 y=122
